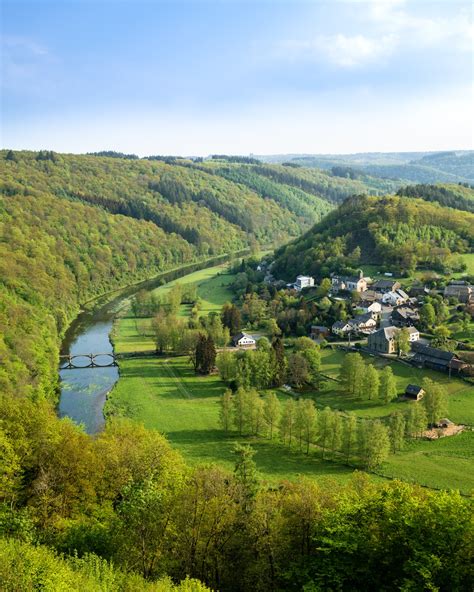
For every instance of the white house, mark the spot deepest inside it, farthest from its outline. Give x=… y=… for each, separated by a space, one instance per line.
x=341 y=328
x=395 y=298
x=414 y=334
x=243 y=340
x=304 y=281
x=374 y=307
x=363 y=323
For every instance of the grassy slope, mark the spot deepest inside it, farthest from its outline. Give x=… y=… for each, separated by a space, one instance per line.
x=166 y=395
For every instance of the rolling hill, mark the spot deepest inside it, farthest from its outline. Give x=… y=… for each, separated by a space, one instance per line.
x=74 y=227
x=415 y=167
x=402 y=233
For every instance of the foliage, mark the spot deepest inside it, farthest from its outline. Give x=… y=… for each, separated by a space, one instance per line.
x=398 y=232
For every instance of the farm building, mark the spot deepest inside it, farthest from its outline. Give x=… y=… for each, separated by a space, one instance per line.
x=405 y=316
x=304 y=281
x=243 y=340
x=436 y=359
x=318 y=331
x=349 y=283
x=341 y=328
x=414 y=392
x=370 y=306
x=385 y=286
x=460 y=290
x=385 y=340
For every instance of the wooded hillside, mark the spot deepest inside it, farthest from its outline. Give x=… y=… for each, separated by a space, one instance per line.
x=399 y=232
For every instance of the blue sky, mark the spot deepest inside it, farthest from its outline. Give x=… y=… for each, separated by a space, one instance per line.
x=197 y=77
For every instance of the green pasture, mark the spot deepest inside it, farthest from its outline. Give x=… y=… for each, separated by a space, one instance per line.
x=166 y=395
x=446 y=463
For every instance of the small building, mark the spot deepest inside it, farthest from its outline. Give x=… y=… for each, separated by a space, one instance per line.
x=363 y=323
x=414 y=392
x=341 y=328
x=385 y=340
x=436 y=359
x=370 y=296
x=395 y=298
x=373 y=307
x=318 y=331
x=243 y=340
x=405 y=316
x=460 y=290
x=384 y=286
x=349 y=283
x=419 y=291
x=304 y=281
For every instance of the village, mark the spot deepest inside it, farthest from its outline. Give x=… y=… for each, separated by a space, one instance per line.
x=386 y=319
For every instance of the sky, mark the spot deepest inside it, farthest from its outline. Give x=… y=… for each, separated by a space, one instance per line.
x=196 y=77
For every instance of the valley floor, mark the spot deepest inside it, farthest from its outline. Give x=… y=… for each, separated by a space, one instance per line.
x=165 y=394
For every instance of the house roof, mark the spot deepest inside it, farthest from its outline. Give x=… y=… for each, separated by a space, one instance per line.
x=363 y=318
x=384 y=284
x=241 y=335
x=432 y=352
x=340 y=324
x=413 y=389
x=403 y=294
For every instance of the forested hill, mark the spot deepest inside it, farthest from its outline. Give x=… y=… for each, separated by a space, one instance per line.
x=73 y=227
x=402 y=233
x=458 y=196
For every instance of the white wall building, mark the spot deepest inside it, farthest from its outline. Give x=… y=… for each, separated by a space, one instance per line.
x=304 y=281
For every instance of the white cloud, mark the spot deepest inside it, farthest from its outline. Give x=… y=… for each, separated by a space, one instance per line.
x=392 y=27
x=347 y=50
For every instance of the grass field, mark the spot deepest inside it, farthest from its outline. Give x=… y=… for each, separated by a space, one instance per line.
x=445 y=463
x=166 y=395
x=132 y=334
x=460 y=393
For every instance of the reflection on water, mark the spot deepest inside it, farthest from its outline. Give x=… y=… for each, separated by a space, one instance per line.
x=83 y=391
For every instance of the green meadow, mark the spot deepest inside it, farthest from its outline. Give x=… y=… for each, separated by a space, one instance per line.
x=165 y=394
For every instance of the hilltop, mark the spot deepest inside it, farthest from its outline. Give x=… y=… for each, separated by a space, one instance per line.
x=402 y=233
x=416 y=167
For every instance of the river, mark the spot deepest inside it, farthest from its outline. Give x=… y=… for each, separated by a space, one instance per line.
x=84 y=391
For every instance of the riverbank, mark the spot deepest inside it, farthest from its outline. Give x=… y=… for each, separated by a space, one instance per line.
x=84 y=391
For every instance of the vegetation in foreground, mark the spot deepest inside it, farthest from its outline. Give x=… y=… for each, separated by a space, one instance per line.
x=127 y=496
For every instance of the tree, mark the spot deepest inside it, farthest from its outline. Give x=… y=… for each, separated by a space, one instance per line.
x=254 y=413
x=416 y=420
x=370 y=383
x=351 y=373
x=287 y=422
x=205 y=355
x=427 y=315
x=337 y=430
x=397 y=431
x=272 y=412
x=325 y=424
x=279 y=362
x=349 y=436
x=402 y=340
x=240 y=409
x=308 y=422
x=434 y=401
x=231 y=318
x=377 y=444
x=226 y=363
x=272 y=328
x=297 y=370
x=245 y=472
x=225 y=411
x=323 y=288
x=388 y=385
